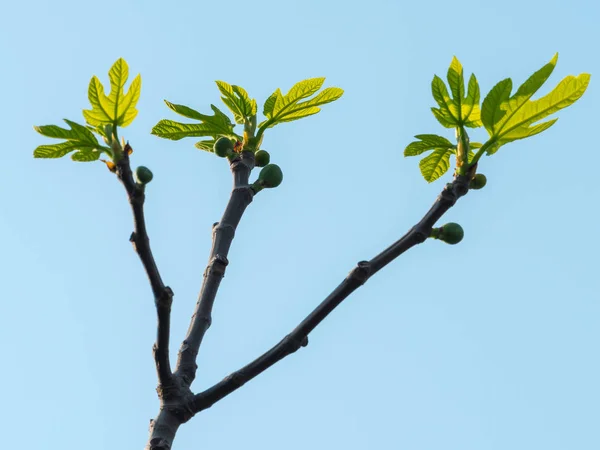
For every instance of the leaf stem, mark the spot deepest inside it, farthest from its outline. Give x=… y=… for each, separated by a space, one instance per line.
x=481 y=151
x=262 y=130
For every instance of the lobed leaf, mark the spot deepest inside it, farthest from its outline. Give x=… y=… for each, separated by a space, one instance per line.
x=435 y=165
x=470 y=107
x=426 y=143
x=280 y=108
x=456 y=82
x=508 y=118
x=462 y=109
x=237 y=100
x=270 y=103
x=79 y=138
x=118 y=108
x=212 y=126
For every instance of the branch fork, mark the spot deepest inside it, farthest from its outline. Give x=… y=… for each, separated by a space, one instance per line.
x=178 y=403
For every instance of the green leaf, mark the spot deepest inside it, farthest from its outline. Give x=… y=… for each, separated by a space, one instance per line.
x=426 y=143
x=508 y=118
x=491 y=112
x=212 y=126
x=285 y=108
x=118 y=108
x=462 y=109
x=471 y=112
x=456 y=82
x=304 y=89
x=237 y=100
x=444 y=118
x=207 y=145
x=270 y=103
x=435 y=165
x=447 y=113
x=175 y=131
x=185 y=111
x=79 y=138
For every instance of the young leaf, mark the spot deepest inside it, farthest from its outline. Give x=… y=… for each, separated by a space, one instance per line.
x=437 y=163
x=237 y=100
x=508 y=118
x=456 y=82
x=212 y=126
x=270 y=103
x=462 y=109
x=285 y=108
x=118 y=108
x=206 y=145
x=470 y=106
x=426 y=143
x=78 y=138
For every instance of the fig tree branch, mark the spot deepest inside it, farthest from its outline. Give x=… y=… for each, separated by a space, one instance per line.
x=223 y=232
x=357 y=277
x=163 y=295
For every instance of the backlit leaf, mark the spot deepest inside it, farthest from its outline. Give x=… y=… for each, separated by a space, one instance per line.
x=118 y=108
x=79 y=139
x=508 y=118
x=285 y=108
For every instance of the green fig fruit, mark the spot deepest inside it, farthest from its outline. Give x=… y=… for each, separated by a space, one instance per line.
x=478 y=181
x=143 y=175
x=223 y=147
x=261 y=158
x=270 y=176
x=451 y=233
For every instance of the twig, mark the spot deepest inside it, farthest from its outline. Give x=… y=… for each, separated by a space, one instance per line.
x=357 y=277
x=223 y=233
x=163 y=295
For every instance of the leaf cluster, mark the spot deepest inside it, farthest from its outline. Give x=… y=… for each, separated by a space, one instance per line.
x=505 y=117
x=108 y=112
x=278 y=108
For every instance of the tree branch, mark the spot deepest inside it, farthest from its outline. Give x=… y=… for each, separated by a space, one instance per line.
x=163 y=295
x=223 y=233
x=357 y=277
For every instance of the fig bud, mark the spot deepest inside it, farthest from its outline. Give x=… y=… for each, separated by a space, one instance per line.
x=143 y=175
x=270 y=176
x=223 y=147
x=451 y=233
x=478 y=181
x=261 y=158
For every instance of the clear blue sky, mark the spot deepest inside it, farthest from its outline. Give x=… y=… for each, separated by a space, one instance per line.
x=488 y=345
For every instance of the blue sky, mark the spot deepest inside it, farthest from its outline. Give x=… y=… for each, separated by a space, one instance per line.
x=487 y=345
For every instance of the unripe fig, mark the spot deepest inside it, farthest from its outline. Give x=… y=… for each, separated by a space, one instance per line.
x=451 y=233
x=261 y=158
x=478 y=181
x=143 y=175
x=270 y=176
x=223 y=147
